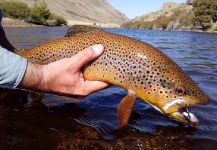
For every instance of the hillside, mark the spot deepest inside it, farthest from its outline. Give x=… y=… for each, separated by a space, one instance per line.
x=167 y=10
x=91 y=12
x=172 y=16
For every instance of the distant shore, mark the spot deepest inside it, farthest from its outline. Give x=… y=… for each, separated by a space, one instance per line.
x=7 y=22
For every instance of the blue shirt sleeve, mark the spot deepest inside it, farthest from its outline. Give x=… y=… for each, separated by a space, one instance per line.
x=12 y=69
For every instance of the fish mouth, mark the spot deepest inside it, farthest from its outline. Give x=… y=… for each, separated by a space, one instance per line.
x=184 y=115
x=179 y=110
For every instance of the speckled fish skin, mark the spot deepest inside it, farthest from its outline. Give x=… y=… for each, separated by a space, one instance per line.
x=131 y=64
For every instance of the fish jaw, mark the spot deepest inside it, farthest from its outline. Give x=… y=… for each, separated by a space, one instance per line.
x=178 y=110
x=185 y=117
x=173 y=110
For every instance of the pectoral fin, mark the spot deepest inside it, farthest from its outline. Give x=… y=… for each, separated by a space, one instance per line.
x=125 y=108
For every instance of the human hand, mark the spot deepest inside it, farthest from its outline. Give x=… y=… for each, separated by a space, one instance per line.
x=65 y=76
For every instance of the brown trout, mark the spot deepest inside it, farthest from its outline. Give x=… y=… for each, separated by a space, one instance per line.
x=141 y=69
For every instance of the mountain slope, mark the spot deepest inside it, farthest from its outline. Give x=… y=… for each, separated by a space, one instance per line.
x=83 y=11
x=167 y=10
x=172 y=16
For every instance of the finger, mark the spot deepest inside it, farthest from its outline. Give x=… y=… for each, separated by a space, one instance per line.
x=88 y=55
x=93 y=86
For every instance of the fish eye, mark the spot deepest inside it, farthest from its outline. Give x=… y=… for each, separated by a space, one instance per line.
x=180 y=91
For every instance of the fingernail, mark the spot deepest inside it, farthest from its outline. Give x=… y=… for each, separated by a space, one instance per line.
x=98 y=48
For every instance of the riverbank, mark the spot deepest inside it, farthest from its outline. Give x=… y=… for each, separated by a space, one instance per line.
x=8 y=22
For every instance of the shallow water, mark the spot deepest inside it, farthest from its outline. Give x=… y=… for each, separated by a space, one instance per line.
x=63 y=123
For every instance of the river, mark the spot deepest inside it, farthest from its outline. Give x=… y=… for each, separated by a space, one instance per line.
x=63 y=123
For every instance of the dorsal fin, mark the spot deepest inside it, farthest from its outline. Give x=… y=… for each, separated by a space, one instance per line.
x=81 y=29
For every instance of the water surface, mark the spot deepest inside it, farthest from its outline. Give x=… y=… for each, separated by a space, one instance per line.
x=64 y=123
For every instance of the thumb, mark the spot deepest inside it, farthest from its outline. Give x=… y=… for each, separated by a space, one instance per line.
x=88 y=54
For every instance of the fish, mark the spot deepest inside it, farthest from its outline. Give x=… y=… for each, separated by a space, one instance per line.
x=138 y=67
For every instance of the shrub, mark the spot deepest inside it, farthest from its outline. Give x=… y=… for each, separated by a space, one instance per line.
x=147 y=25
x=162 y=22
x=55 y=20
x=38 y=14
x=213 y=29
x=41 y=15
x=203 y=11
x=127 y=24
x=13 y=9
x=136 y=24
x=184 y=17
x=187 y=19
x=139 y=24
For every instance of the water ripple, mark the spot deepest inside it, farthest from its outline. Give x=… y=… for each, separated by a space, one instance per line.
x=195 y=53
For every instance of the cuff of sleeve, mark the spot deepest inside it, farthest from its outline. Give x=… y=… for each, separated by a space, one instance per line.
x=21 y=73
x=12 y=69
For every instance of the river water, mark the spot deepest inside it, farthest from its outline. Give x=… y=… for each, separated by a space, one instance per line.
x=65 y=123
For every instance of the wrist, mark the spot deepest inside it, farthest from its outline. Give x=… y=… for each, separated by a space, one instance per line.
x=33 y=78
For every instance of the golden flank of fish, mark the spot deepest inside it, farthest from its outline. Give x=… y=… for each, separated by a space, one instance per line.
x=141 y=69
